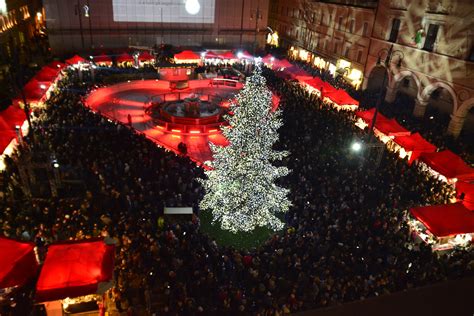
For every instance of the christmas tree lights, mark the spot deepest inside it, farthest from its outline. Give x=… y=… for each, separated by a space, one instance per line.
x=240 y=185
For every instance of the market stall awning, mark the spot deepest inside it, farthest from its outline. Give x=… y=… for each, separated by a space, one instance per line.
x=341 y=97
x=102 y=59
x=281 y=63
x=445 y=220
x=322 y=86
x=47 y=74
x=268 y=59
x=123 y=58
x=57 y=64
x=187 y=55
x=75 y=60
x=390 y=127
x=211 y=55
x=245 y=54
x=34 y=90
x=448 y=164
x=227 y=55
x=18 y=262
x=145 y=56
x=73 y=269
x=415 y=144
x=465 y=191
x=10 y=118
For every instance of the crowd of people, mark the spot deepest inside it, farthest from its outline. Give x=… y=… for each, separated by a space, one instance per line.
x=346 y=237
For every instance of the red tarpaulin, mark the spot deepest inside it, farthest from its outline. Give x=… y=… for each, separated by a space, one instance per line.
x=18 y=263
x=47 y=74
x=368 y=115
x=145 y=56
x=415 y=144
x=465 y=191
x=73 y=269
x=283 y=63
x=268 y=59
x=227 y=55
x=448 y=164
x=57 y=64
x=102 y=59
x=187 y=55
x=211 y=55
x=391 y=127
x=75 y=60
x=10 y=118
x=35 y=90
x=123 y=58
x=341 y=97
x=445 y=220
x=321 y=85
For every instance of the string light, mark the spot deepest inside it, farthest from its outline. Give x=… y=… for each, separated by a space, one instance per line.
x=240 y=185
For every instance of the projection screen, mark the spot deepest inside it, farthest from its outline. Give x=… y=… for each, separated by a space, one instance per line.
x=164 y=11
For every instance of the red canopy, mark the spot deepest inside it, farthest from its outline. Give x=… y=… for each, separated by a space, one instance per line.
x=268 y=59
x=144 y=56
x=341 y=97
x=18 y=263
x=211 y=54
x=187 y=55
x=47 y=74
x=416 y=144
x=321 y=85
x=227 y=55
x=57 y=64
x=391 y=127
x=246 y=55
x=445 y=220
x=73 y=269
x=448 y=164
x=282 y=63
x=34 y=90
x=9 y=119
x=75 y=60
x=466 y=191
x=103 y=59
x=124 y=58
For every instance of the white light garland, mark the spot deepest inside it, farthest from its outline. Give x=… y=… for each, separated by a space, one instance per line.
x=240 y=189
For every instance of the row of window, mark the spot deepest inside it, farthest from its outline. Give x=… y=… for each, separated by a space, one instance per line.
x=430 y=37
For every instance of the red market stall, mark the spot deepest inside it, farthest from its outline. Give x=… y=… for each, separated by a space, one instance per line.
x=281 y=63
x=73 y=269
x=443 y=226
x=76 y=59
x=268 y=59
x=390 y=128
x=245 y=55
x=57 y=64
x=448 y=166
x=465 y=193
x=10 y=118
x=18 y=263
x=187 y=57
x=102 y=60
x=146 y=56
x=228 y=56
x=211 y=55
x=411 y=146
x=342 y=99
x=34 y=91
x=124 y=58
x=47 y=74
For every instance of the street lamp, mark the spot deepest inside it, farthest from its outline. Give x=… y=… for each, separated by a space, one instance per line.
x=356 y=146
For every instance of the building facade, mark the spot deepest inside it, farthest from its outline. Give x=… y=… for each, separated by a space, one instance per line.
x=79 y=25
x=431 y=44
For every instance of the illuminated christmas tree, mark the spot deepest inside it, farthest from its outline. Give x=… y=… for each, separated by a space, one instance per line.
x=240 y=187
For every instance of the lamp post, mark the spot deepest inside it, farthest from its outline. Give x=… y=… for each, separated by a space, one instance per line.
x=258 y=15
x=388 y=58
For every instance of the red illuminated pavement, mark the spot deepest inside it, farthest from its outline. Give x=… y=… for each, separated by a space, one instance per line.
x=118 y=101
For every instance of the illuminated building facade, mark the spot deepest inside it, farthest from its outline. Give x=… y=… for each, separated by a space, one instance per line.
x=432 y=64
x=79 y=25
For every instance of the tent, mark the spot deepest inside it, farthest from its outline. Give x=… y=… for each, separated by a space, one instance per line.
x=187 y=57
x=145 y=56
x=76 y=268
x=445 y=220
x=368 y=115
x=103 y=59
x=76 y=59
x=57 y=64
x=414 y=145
x=124 y=58
x=341 y=97
x=47 y=74
x=10 y=118
x=35 y=90
x=465 y=192
x=18 y=263
x=227 y=55
x=448 y=164
x=390 y=127
x=245 y=55
x=268 y=59
x=281 y=63
x=211 y=55
x=320 y=85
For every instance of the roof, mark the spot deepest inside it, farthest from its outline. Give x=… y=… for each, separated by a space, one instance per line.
x=9 y=119
x=47 y=74
x=145 y=56
x=414 y=142
x=102 y=59
x=33 y=90
x=448 y=164
x=75 y=60
x=187 y=55
x=467 y=190
x=391 y=127
x=227 y=55
x=445 y=220
x=73 y=269
x=18 y=262
x=282 y=63
x=124 y=58
x=341 y=97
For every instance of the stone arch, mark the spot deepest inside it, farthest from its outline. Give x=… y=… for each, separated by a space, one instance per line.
x=465 y=107
x=406 y=73
x=375 y=78
x=428 y=90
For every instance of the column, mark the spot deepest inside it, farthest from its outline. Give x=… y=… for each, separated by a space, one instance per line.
x=365 y=83
x=455 y=125
x=390 y=94
x=420 y=107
